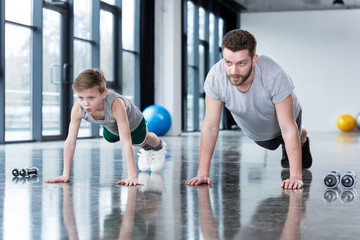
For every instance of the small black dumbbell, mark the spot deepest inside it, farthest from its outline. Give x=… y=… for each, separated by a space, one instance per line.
x=25 y=172
x=349 y=179
x=16 y=172
x=332 y=179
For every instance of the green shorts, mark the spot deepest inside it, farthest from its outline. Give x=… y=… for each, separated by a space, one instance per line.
x=137 y=136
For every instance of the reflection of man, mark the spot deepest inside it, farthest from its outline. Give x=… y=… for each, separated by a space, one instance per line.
x=291 y=228
x=279 y=217
x=259 y=94
x=209 y=229
x=275 y=217
x=273 y=220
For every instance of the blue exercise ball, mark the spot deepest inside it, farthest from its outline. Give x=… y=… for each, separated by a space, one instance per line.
x=158 y=119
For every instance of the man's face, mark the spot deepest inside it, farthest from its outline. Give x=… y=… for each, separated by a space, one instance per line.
x=239 y=66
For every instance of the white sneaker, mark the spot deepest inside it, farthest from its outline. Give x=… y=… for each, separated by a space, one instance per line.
x=159 y=159
x=145 y=158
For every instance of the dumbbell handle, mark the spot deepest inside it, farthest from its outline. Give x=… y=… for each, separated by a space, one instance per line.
x=29 y=171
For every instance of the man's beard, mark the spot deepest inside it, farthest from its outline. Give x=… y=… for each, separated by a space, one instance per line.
x=243 y=77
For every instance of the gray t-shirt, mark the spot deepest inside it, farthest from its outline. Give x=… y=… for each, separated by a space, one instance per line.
x=134 y=115
x=254 y=111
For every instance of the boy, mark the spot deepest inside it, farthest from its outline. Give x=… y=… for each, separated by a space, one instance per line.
x=121 y=120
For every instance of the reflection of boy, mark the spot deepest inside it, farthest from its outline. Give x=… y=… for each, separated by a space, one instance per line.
x=121 y=120
x=139 y=220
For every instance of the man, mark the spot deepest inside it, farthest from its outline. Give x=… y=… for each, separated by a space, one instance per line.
x=259 y=95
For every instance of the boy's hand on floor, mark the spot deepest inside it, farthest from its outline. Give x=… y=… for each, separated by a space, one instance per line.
x=129 y=182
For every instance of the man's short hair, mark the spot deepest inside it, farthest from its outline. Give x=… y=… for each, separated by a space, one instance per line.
x=237 y=40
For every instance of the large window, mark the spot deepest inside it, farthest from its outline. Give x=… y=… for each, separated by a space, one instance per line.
x=51 y=100
x=82 y=47
x=18 y=71
x=107 y=44
x=46 y=44
x=130 y=57
x=203 y=30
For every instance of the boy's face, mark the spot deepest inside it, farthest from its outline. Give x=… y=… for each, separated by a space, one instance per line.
x=91 y=100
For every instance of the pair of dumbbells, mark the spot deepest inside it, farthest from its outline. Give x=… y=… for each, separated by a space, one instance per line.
x=347 y=181
x=25 y=172
x=334 y=178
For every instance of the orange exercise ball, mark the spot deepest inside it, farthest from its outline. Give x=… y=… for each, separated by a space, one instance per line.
x=346 y=123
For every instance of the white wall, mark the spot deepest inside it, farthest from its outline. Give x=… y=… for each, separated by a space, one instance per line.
x=168 y=60
x=320 y=50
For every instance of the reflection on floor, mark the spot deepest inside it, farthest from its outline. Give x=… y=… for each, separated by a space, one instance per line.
x=244 y=202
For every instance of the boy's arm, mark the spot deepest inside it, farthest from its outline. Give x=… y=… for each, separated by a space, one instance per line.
x=69 y=144
x=290 y=133
x=119 y=113
x=209 y=134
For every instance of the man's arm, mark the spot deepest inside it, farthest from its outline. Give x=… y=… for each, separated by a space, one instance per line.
x=290 y=133
x=209 y=133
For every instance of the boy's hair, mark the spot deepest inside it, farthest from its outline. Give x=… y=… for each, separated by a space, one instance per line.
x=237 y=40
x=88 y=79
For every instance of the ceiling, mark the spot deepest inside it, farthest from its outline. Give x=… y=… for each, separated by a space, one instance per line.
x=295 y=5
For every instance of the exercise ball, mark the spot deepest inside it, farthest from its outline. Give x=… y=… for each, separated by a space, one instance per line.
x=158 y=119
x=346 y=123
x=357 y=119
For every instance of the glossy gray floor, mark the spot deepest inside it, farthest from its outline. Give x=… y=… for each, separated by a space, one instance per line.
x=245 y=200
